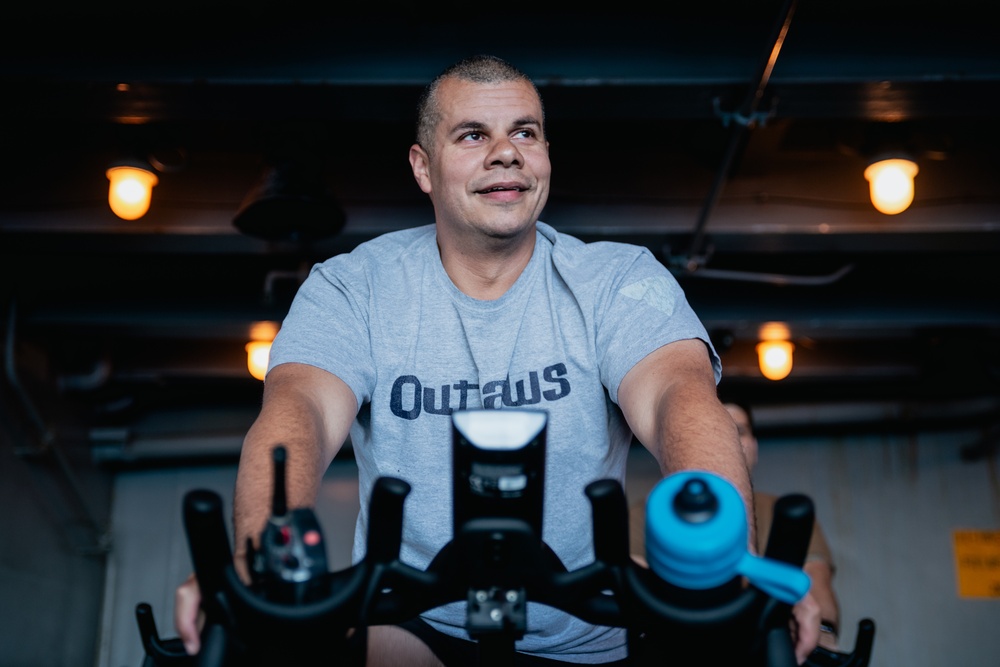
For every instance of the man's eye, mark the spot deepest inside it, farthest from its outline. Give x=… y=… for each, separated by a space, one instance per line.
x=472 y=136
x=524 y=134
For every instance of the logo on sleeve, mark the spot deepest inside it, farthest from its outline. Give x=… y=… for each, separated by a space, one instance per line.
x=655 y=292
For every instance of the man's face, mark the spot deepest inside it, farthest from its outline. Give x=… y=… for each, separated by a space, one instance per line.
x=488 y=170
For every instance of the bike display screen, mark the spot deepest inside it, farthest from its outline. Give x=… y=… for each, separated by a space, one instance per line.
x=498 y=461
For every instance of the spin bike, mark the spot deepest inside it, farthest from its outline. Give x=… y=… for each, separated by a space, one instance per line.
x=702 y=594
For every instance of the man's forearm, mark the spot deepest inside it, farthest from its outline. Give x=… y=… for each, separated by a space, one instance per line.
x=309 y=412
x=253 y=498
x=711 y=443
x=671 y=403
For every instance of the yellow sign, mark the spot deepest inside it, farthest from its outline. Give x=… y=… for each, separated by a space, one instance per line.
x=977 y=561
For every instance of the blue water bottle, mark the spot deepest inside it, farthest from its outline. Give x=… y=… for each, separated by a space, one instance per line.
x=696 y=539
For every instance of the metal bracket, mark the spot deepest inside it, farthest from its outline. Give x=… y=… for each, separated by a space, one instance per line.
x=754 y=119
x=496 y=610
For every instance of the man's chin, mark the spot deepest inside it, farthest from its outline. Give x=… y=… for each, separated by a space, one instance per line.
x=504 y=234
x=509 y=233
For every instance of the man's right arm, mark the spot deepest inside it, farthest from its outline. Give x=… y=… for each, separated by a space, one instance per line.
x=310 y=412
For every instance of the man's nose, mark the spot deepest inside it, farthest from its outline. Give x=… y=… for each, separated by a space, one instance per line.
x=503 y=153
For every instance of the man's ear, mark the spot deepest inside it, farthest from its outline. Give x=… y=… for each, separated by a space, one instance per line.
x=420 y=163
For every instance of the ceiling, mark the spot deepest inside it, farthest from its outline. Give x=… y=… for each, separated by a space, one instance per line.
x=729 y=137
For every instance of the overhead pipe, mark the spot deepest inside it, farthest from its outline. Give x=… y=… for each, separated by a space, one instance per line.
x=777 y=278
x=745 y=118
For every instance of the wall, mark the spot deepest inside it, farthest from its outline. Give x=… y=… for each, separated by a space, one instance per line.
x=889 y=505
x=53 y=546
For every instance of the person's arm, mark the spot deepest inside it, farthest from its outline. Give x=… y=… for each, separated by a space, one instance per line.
x=672 y=406
x=310 y=412
x=821 y=589
x=670 y=402
x=820 y=568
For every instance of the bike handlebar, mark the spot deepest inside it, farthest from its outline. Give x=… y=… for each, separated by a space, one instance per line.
x=496 y=564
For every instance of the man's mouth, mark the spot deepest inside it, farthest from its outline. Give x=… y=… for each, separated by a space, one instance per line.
x=502 y=188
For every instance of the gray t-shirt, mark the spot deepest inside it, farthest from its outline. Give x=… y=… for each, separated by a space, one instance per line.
x=387 y=320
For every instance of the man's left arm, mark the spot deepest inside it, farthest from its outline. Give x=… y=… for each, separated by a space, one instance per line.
x=670 y=402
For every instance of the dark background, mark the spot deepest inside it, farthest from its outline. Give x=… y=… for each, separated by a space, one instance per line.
x=728 y=137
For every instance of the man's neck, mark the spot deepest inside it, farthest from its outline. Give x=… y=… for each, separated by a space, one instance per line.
x=486 y=270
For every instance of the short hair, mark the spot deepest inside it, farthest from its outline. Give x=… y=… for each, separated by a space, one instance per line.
x=478 y=69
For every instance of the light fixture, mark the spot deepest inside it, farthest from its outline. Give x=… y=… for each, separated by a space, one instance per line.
x=890 y=181
x=291 y=201
x=259 y=348
x=131 y=189
x=258 y=354
x=774 y=351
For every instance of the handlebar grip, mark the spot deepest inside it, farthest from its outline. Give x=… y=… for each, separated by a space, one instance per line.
x=863 y=643
x=780 y=651
x=385 y=519
x=158 y=651
x=209 y=543
x=610 y=511
x=791 y=529
x=214 y=647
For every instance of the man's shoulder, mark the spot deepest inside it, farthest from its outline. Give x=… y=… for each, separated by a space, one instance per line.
x=566 y=245
x=401 y=238
x=386 y=247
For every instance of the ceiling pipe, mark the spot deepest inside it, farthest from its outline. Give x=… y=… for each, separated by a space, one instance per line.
x=745 y=118
x=95 y=379
x=775 y=278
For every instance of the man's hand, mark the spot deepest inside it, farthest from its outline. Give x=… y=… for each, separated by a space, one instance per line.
x=805 y=627
x=188 y=616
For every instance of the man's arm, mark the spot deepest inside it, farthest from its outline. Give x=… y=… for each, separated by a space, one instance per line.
x=310 y=412
x=672 y=406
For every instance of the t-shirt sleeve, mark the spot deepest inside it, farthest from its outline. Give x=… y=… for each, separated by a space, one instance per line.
x=327 y=326
x=643 y=309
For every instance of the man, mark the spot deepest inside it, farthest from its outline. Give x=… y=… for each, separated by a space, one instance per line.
x=488 y=307
x=819 y=559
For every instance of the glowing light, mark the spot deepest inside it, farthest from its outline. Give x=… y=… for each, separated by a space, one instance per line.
x=258 y=354
x=775 y=358
x=131 y=191
x=774 y=352
x=891 y=184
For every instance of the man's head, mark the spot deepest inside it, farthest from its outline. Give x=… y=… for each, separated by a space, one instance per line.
x=744 y=424
x=482 y=156
x=477 y=69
